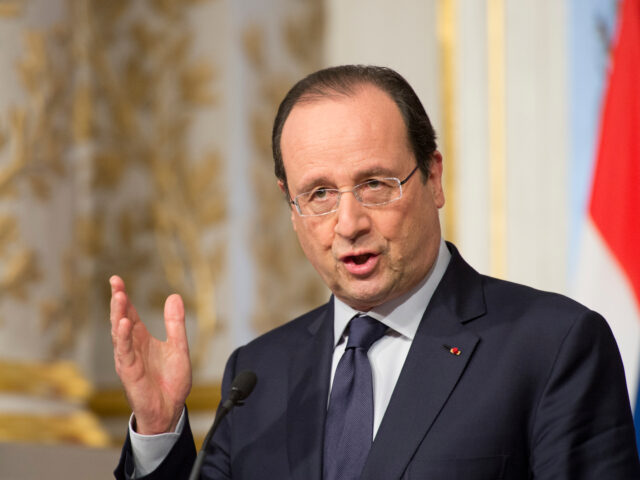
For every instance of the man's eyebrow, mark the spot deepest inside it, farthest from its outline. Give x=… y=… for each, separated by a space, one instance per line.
x=315 y=182
x=361 y=176
x=375 y=172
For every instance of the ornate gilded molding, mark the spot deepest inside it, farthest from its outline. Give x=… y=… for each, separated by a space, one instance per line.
x=59 y=380
x=112 y=402
x=80 y=428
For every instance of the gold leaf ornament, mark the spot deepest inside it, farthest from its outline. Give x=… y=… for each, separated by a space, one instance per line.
x=3 y=137
x=109 y=167
x=20 y=270
x=253 y=44
x=82 y=113
x=34 y=63
x=195 y=84
x=10 y=8
x=90 y=235
x=8 y=233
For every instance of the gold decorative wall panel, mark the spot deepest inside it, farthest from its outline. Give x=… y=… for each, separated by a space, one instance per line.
x=106 y=166
x=287 y=284
x=97 y=145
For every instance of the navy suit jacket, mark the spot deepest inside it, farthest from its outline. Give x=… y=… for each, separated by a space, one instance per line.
x=537 y=392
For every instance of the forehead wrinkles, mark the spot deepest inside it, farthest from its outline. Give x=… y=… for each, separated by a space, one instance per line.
x=322 y=123
x=351 y=90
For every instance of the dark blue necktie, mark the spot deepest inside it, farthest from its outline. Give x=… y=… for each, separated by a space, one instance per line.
x=349 y=425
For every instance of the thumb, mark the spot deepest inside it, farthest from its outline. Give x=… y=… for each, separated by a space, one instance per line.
x=174 y=320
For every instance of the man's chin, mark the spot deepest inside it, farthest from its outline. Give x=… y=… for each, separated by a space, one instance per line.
x=364 y=299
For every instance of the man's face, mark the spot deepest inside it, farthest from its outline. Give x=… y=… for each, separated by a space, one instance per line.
x=365 y=255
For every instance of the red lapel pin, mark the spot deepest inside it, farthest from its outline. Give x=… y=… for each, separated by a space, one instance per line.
x=453 y=350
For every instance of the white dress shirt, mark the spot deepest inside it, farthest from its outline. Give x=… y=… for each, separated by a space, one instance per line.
x=402 y=315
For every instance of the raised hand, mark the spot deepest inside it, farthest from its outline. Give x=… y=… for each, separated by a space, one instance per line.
x=156 y=374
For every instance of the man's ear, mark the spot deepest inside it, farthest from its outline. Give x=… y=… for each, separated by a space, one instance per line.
x=284 y=190
x=435 y=178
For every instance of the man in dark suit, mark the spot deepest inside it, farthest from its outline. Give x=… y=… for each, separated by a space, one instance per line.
x=467 y=377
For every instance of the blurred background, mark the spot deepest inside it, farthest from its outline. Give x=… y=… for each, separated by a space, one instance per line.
x=135 y=139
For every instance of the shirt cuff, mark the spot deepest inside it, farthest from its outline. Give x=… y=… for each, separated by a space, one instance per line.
x=150 y=450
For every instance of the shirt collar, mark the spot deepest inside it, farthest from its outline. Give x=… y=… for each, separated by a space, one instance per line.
x=402 y=314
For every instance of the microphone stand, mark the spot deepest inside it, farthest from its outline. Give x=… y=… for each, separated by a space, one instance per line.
x=241 y=387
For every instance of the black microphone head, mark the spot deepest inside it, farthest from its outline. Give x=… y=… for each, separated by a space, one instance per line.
x=243 y=385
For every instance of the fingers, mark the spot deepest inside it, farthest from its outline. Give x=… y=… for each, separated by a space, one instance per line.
x=120 y=325
x=117 y=284
x=120 y=305
x=124 y=352
x=174 y=321
x=123 y=317
x=118 y=301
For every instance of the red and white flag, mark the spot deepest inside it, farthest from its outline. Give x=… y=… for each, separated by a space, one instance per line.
x=608 y=278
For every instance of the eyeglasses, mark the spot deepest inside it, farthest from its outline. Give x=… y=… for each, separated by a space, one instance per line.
x=372 y=193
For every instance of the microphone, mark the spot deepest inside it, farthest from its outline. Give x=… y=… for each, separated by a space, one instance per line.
x=241 y=388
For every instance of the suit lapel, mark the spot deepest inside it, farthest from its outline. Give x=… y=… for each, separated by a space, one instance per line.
x=430 y=372
x=309 y=374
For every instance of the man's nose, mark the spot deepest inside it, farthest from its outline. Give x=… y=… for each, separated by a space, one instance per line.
x=352 y=217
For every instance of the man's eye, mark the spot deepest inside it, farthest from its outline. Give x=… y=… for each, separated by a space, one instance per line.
x=374 y=184
x=319 y=194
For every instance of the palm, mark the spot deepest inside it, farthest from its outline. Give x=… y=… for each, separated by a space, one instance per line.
x=156 y=374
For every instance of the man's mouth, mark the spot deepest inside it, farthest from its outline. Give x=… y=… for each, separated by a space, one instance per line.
x=359 y=259
x=361 y=264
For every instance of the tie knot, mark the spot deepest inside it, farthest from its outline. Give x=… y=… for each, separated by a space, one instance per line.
x=364 y=331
